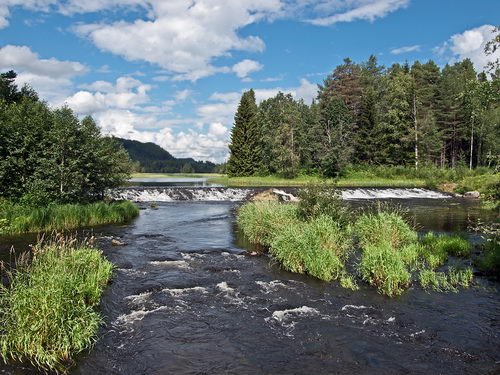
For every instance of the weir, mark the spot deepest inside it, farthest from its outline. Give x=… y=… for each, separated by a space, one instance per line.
x=169 y=194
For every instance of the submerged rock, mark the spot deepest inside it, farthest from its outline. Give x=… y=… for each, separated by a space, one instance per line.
x=472 y=194
x=115 y=242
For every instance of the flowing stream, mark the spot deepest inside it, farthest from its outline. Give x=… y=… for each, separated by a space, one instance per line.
x=186 y=299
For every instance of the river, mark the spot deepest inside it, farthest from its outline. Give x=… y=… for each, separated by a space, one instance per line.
x=186 y=299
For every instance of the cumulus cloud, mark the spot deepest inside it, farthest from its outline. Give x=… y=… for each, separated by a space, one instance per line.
x=245 y=67
x=400 y=50
x=184 y=37
x=469 y=45
x=125 y=93
x=52 y=78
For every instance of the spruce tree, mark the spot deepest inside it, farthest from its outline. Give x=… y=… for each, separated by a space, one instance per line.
x=245 y=149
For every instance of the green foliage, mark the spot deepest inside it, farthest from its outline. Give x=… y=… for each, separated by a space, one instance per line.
x=316 y=200
x=261 y=221
x=347 y=281
x=438 y=281
x=444 y=245
x=442 y=282
x=383 y=227
x=51 y=156
x=383 y=267
x=317 y=247
x=19 y=218
x=245 y=157
x=489 y=261
x=48 y=309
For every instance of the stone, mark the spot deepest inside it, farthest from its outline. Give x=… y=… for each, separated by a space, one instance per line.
x=115 y=242
x=472 y=194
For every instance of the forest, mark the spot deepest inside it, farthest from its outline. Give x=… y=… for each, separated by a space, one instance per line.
x=417 y=115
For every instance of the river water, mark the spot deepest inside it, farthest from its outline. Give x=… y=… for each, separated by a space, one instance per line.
x=186 y=299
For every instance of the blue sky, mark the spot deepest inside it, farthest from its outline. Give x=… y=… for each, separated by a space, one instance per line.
x=172 y=71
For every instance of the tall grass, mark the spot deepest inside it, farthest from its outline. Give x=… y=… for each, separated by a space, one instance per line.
x=436 y=248
x=261 y=221
x=317 y=247
x=23 y=219
x=383 y=267
x=383 y=227
x=48 y=309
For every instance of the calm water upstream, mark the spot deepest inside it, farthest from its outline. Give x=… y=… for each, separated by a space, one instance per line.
x=186 y=300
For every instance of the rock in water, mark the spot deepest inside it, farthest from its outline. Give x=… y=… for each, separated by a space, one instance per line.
x=472 y=194
x=115 y=242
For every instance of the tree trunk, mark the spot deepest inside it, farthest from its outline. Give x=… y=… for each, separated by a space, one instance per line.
x=416 y=130
x=471 y=144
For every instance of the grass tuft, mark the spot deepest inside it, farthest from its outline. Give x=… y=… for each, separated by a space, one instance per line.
x=48 y=309
x=317 y=247
x=383 y=267
x=261 y=221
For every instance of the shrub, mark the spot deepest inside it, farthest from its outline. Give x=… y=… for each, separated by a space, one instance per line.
x=382 y=266
x=48 y=311
x=317 y=247
x=316 y=200
x=384 y=227
x=260 y=221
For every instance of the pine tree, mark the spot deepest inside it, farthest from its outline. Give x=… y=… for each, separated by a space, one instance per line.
x=245 y=147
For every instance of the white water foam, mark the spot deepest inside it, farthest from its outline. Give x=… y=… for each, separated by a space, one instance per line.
x=239 y=194
x=283 y=315
x=181 y=194
x=394 y=193
x=136 y=315
x=271 y=286
x=182 y=291
x=355 y=307
x=170 y=263
x=139 y=299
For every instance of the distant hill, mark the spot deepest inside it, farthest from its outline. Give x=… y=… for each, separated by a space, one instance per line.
x=154 y=159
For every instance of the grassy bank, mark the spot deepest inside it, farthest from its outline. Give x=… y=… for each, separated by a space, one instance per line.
x=354 y=181
x=377 y=176
x=16 y=218
x=319 y=237
x=48 y=308
x=175 y=175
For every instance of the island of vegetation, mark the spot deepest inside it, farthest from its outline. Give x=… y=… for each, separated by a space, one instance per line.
x=322 y=237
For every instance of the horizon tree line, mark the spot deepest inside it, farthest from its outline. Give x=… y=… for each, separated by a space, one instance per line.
x=418 y=115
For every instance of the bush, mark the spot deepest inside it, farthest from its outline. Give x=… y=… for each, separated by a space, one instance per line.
x=316 y=200
x=384 y=227
x=48 y=311
x=317 y=247
x=23 y=219
x=383 y=267
x=261 y=221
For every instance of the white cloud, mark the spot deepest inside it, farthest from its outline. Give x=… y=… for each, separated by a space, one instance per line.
x=126 y=93
x=182 y=95
x=245 y=67
x=184 y=37
x=51 y=78
x=469 y=45
x=400 y=50
x=21 y=58
x=352 y=10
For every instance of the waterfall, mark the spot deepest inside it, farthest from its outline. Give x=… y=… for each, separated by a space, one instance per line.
x=169 y=194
